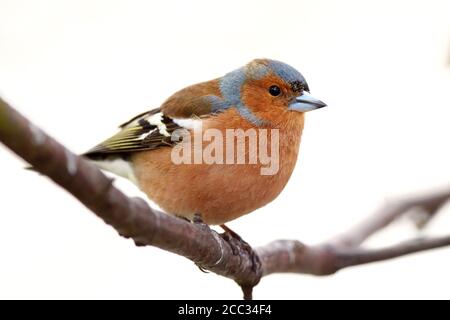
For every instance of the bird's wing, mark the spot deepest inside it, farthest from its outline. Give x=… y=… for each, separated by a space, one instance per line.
x=147 y=131
x=151 y=130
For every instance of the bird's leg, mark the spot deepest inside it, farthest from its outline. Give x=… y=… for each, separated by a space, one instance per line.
x=232 y=233
x=237 y=245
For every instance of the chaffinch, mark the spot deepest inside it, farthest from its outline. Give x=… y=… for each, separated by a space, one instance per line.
x=264 y=96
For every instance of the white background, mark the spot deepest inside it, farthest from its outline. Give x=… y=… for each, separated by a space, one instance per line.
x=80 y=68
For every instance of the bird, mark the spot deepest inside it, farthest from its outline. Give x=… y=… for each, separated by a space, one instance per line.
x=264 y=96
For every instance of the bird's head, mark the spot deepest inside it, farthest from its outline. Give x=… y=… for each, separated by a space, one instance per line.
x=264 y=89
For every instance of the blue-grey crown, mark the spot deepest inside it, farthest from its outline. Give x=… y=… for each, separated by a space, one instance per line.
x=288 y=74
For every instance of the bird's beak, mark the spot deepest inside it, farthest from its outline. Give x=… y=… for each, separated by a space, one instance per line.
x=306 y=102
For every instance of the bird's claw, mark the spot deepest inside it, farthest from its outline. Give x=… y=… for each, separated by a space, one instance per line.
x=202 y=269
x=238 y=246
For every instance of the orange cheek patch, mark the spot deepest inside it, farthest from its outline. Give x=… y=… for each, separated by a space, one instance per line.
x=255 y=95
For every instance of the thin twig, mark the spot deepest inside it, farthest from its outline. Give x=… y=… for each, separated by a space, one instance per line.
x=428 y=204
x=354 y=257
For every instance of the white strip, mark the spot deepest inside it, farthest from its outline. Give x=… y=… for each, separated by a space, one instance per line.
x=156 y=120
x=191 y=123
x=146 y=134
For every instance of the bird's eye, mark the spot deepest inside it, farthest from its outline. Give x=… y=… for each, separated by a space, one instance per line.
x=275 y=91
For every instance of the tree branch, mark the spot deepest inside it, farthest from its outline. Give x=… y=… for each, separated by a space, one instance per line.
x=354 y=257
x=425 y=207
x=134 y=219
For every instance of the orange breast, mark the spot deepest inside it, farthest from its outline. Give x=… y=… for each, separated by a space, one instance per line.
x=218 y=192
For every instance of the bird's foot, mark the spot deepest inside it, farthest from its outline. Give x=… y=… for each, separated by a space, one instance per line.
x=238 y=245
x=197 y=219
